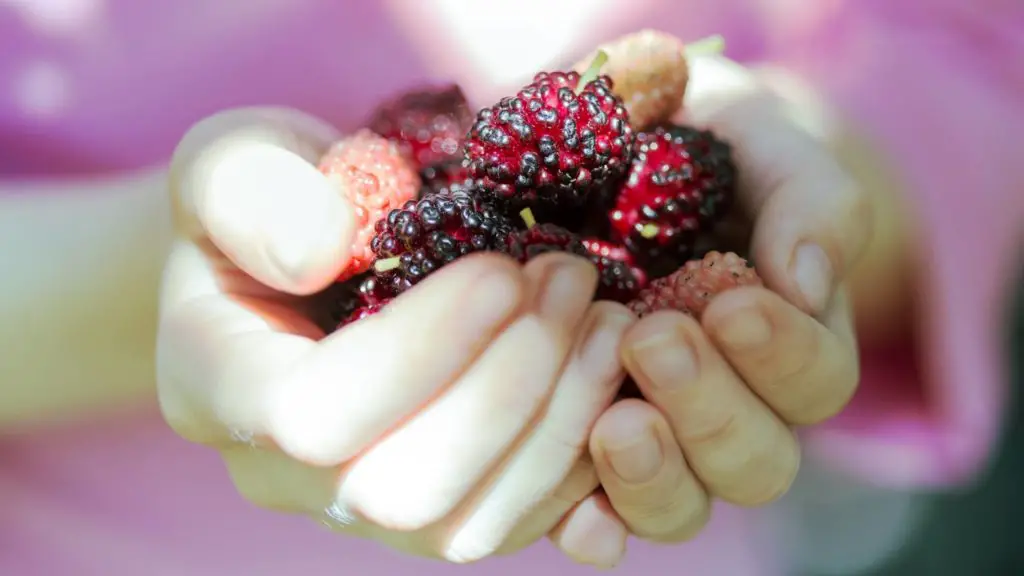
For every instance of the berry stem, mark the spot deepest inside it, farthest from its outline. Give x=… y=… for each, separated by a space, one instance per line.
x=706 y=46
x=387 y=264
x=592 y=71
x=527 y=215
x=649 y=231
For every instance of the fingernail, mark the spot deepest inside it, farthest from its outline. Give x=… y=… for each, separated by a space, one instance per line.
x=812 y=272
x=665 y=358
x=565 y=283
x=635 y=454
x=744 y=329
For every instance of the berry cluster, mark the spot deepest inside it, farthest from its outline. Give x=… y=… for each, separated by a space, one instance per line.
x=559 y=166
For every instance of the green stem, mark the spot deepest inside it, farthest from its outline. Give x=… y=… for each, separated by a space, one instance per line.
x=706 y=46
x=592 y=71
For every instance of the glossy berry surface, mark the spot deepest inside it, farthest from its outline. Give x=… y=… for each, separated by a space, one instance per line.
x=618 y=278
x=524 y=245
x=428 y=233
x=549 y=144
x=681 y=182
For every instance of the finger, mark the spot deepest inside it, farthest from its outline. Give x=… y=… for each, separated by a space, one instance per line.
x=272 y=480
x=813 y=221
x=542 y=459
x=804 y=371
x=399 y=482
x=218 y=355
x=246 y=182
x=362 y=381
x=592 y=533
x=577 y=486
x=735 y=444
x=645 y=476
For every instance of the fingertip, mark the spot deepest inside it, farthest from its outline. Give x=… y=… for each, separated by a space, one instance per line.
x=592 y=533
x=811 y=232
x=245 y=180
x=276 y=217
x=734 y=300
x=624 y=420
x=656 y=326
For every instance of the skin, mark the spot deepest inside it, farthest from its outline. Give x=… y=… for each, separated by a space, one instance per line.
x=724 y=394
x=234 y=347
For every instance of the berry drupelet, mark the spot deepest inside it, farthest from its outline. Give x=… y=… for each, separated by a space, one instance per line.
x=427 y=124
x=618 y=279
x=424 y=235
x=373 y=175
x=560 y=138
x=363 y=311
x=691 y=288
x=537 y=239
x=680 y=183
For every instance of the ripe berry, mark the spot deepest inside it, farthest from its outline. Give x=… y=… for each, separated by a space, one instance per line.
x=338 y=301
x=427 y=124
x=372 y=291
x=375 y=177
x=681 y=181
x=424 y=235
x=692 y=287
x=606 y=249
x=364 y=311
x=537 y=239
x=560 y=138
x=618 y=278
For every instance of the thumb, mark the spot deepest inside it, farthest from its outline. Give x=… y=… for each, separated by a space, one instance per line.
x=244 y=183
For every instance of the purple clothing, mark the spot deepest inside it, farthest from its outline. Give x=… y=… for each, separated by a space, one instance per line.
x=94 y=86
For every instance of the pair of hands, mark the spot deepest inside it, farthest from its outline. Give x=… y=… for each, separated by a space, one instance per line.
x=473 y=416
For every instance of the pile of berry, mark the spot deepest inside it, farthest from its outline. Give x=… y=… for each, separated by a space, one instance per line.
x=559 y=166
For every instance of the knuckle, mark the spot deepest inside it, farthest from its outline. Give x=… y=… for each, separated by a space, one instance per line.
x=688 y=528
x=712 y=430
x=840 y=379
x=679 y=516
x=769 y=476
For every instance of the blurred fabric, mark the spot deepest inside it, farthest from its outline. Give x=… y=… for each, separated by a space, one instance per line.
x=978 y=532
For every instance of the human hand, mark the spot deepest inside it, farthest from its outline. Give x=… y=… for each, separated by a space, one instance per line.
x=451 y=424
x=723 y=393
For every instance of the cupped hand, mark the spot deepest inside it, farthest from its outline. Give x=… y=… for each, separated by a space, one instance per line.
x=723 y=394
x=450 y=425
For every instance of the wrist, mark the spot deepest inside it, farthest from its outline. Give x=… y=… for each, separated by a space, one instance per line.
x=80 y=298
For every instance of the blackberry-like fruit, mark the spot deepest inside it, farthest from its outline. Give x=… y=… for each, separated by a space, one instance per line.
x=424 y=235
x=363 y=311
x=374 y=176
x=338 y=301
x=427 y=124
x=680 y=183
x=537 y=239
x=372 y=291
x=557 y=140
x=618 y=278
x=691 y=288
